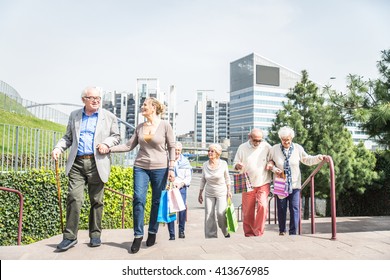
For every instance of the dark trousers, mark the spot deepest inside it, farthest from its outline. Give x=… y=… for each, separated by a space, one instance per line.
x=292 y=201
x=84 y=173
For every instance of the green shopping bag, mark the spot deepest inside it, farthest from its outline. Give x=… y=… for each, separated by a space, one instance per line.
x=231 y=217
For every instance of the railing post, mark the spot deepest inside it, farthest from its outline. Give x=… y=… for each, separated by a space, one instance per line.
x=332 y=196
x=313 y=225
x=329 y=160
x=37 y=148
x=16 y=162
x=20 y=211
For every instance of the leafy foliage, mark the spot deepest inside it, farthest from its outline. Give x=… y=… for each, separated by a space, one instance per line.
x=368 y=102
x=41 y=208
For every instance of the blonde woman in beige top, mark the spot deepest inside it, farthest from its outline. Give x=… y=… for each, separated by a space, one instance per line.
x=216 y=183
x=154 y=163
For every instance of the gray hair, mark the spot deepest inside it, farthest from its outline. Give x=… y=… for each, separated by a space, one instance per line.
x=99 y=90
x=217 y=148
x=286 y=131
x=178 y=145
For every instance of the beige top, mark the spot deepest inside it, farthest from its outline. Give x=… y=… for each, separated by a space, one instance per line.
x=216 y=180
x=254 y=160
x=154 y=153
x=297 y=156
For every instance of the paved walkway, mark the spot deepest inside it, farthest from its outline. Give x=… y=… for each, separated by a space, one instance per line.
x=358 y=238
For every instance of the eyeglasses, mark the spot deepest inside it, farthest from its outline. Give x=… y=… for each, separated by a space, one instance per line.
x=94 y=98
x=211 y=151
x=257 y=140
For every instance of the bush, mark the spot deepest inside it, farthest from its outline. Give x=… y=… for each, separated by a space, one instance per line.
x=41 y=209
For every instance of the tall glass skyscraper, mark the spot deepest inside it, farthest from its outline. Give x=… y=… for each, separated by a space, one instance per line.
x=257 y=88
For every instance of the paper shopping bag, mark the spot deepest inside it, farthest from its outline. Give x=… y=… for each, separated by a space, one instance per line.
x=175 y=200
x=231 y=217
x=242 y=183
x=280 y=187
x=164 y=216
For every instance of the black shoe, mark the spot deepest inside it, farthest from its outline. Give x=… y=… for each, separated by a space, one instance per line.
x=136 y=245
x=171 y=238
x=151 y=239
x=181 y=235
x=66 y=244
x=95 y=242
x=227 y=235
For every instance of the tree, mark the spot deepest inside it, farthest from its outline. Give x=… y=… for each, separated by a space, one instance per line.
x=368 y=102
x=320 y=129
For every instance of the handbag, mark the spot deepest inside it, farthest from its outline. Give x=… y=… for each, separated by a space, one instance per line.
x=175 y=200
x=280 y=186
x=164 y=216
x=242 y=183
x=231 y=217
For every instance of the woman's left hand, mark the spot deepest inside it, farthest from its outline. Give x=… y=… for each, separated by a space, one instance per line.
x=171 y=176
x=229 y=194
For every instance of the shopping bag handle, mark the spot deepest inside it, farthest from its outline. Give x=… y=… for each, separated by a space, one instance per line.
x=169 y=186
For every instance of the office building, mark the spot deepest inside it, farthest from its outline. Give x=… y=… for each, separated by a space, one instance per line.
x=258 y=87
x=211 y=119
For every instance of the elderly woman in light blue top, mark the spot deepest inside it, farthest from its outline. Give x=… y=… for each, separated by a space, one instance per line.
x=216 y=183
x=183 y=176
x=287 y=157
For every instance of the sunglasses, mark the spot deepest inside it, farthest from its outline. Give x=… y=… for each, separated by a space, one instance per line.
x=257 y=141
x=211 y=151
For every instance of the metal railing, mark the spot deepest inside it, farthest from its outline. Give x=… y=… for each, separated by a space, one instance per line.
x=124 y=196
x=21 y=202
x=329 y=160
x=25 y=148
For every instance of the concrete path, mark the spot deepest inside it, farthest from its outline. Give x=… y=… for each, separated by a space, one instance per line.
x=358 y=238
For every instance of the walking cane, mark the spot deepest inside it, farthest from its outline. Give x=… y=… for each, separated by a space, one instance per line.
x=59 y=194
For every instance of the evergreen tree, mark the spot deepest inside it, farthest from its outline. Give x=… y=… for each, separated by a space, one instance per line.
x=320 y=129
x=368 y=102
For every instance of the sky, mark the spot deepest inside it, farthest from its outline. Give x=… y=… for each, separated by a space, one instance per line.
x=50 y=49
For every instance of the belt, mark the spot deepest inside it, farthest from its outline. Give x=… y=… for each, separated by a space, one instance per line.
x=85 y=157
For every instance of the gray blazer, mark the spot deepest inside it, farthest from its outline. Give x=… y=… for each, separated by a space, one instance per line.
x=106 y=132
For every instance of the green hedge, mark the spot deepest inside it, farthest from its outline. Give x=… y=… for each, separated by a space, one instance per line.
x=41 y=210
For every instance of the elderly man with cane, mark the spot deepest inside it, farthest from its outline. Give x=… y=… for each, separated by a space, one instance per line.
x=91 y=131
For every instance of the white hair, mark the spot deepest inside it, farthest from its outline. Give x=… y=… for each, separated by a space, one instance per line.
x=99 y=90
x=178 y=145
x=217 y=148
x=286 y=131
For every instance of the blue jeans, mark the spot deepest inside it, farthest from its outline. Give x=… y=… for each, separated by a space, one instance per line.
x=182 y=216
x=293 y=203
x=158 y=181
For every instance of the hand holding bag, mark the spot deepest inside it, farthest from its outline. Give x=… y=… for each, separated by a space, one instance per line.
x=163 y=210
x=176 y=203
x=280 y=186
x=231 y=217
x=242 y=183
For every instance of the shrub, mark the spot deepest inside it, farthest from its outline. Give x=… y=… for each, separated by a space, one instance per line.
x=41 y=208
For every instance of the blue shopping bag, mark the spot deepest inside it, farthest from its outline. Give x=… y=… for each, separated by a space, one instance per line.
x=163 y=210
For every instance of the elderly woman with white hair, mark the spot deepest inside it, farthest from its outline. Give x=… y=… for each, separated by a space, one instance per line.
x=287 y=157
x=216 y=183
